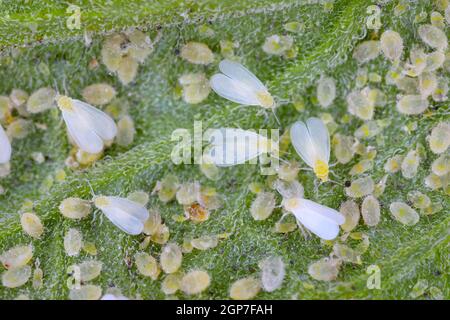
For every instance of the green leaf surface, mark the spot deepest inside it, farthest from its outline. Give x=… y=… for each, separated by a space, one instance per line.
x=38 y=50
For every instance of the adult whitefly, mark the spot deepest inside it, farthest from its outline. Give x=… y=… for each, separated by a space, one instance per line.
x=370 y=210
x=239 y=85
x=75 y=208
x=412 y=104
x=73 y=242
x=319 y=219
x=350 y=210
x=433 y=36
x=366 y=51
x=5 y=147
x=89 y=127
x=272 y=273
x=404 y=213
x=391 y=44
x=125 y=214
x=326 y=91
x=311 y=140
x=245 y=289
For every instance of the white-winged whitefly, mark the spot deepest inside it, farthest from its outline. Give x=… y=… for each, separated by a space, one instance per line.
x=89 y=127
x=125 y=214
x=229 y=146
x=5 y=147
x=311 y=140
x=239 y=85
x=320 y=220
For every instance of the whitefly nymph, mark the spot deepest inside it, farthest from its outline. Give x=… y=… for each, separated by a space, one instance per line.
x=127 y=215
x=323 y=221
x=239 y=85
x=311 y=140
x=5 y=147
x=230 y=146
x=89 y=127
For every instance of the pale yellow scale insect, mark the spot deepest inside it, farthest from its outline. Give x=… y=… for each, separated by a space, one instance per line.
x=312 y=143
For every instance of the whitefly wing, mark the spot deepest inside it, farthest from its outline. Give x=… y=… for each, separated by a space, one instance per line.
x=135 y=209
x=301 y=140
x=100 y=122
x=233 y=90
x=5 y=146
x=316 y=222
x=237 y=71
x=123 y=220
x=233 y=146
x=320 y=138
x=82 y=133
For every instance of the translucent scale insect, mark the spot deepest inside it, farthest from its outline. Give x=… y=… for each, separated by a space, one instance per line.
x=229 y=146
x=125 y=214
x=89 y=127
x=312 y=143
x=320 y=220
x=239 y=85
x=5 y=147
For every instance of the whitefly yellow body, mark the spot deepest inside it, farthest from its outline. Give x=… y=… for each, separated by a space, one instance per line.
x=311 y=140
x=5 y=147
x=239 y=85
x=89 y=127
x=127 y=215
x=323 y=221
x=230 y=146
